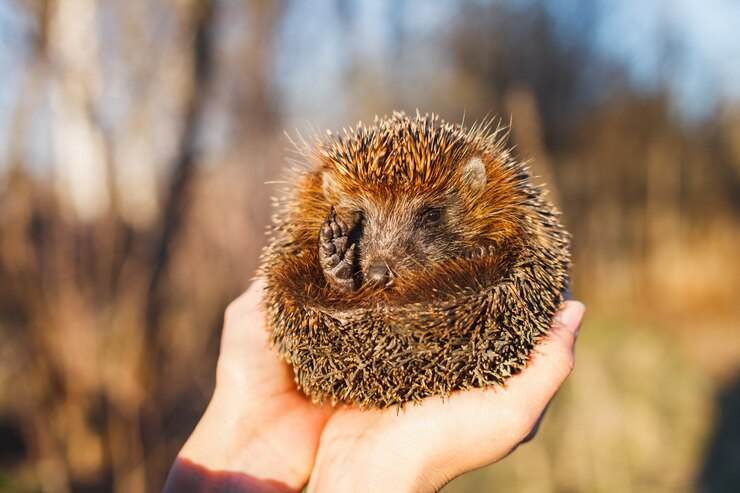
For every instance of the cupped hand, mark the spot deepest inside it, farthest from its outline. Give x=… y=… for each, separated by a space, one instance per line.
x=260 y=433
x=422 y=447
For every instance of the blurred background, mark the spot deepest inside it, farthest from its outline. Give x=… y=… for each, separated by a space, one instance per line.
x=136 y=139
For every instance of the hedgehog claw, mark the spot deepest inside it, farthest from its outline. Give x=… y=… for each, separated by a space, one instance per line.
x=350 y=255
x=336 y=256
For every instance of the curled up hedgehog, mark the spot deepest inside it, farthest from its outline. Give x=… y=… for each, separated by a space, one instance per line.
x=410 y=258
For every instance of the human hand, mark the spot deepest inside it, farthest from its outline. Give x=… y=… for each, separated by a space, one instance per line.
x=260 y=433
x=425 y=446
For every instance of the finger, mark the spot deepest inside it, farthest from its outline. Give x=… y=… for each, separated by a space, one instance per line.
x=243 y=319
x=518 y=405
x=246 y=360
x=570 y=316
x=552 y=360
x=551 y=363
x=248 y=300
x=507 y=415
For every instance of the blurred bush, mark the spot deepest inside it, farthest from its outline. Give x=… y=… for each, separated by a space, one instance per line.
x=137 y=143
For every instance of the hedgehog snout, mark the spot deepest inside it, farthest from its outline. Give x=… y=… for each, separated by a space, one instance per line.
x=378 y=274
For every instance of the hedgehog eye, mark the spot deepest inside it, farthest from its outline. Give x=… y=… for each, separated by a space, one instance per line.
x=431 y=217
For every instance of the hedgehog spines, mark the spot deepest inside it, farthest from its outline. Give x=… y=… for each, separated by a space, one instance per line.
x=468 y=317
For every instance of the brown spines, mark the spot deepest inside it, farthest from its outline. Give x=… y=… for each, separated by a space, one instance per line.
x=469 y=320
x=398 y=151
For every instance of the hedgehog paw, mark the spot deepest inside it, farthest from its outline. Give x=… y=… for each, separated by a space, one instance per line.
x=336 y=255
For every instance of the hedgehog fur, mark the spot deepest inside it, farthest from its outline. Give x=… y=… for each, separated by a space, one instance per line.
x=469 y=288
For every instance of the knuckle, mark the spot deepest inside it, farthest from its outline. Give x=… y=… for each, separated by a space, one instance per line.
x=562 y=368
x=524 y=426
x=235 y=309
x=530 y=435
x=564 y=360
x=569 y=362
x=231 y=309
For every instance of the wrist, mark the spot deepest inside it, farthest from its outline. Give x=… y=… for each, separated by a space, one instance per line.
x=188 y=477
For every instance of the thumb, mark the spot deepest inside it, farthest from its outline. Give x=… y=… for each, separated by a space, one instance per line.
x=570 y=316
x=558 y=348
x=552 y=361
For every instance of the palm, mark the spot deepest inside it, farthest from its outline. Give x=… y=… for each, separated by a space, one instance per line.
x=259 y=386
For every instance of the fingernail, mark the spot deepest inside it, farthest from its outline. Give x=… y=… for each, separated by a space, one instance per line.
x=571 y=316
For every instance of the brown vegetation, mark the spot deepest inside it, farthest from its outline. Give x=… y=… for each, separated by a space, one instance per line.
x=120 y=251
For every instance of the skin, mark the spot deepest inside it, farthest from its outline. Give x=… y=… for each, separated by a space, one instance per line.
x=260 y=433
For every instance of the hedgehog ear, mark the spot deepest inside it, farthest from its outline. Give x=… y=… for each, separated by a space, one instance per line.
x=474 y=174
x=328 y=184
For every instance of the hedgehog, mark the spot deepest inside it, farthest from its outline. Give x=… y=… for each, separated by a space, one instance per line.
x=410 y=258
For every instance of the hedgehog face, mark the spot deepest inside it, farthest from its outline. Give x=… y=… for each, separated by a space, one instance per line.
x=399 y=233
x=404 y=234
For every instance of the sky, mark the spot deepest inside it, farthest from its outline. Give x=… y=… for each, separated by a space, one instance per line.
x=702 y=67
x=13 y=55
x=691 y=45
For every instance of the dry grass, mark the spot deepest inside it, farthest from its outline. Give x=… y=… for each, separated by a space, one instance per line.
x=109 y=322
x=100 y=394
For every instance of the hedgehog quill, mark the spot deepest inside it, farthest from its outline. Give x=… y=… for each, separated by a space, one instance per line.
x=410 y=258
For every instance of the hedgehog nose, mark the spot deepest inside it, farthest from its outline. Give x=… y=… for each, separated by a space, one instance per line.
x=378 y=274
